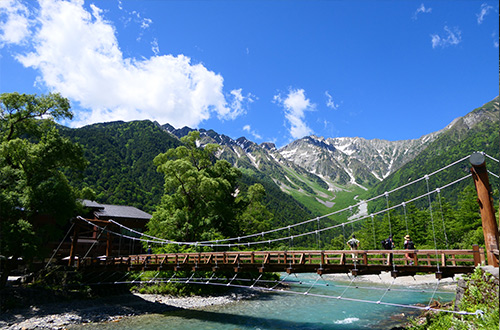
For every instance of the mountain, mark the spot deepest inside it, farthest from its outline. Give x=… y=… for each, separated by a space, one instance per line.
x=317 y=170
x=322 y=174
x=476 y=131
x=120 y=156
x=121 y=169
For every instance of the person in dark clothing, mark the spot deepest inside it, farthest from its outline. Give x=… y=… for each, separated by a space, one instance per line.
x=149 y=251
x=389 y=245
x=409 y=245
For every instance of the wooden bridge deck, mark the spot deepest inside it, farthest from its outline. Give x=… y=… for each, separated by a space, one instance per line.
x=444 y=263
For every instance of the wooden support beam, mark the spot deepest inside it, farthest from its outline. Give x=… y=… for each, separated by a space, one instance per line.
x=476 y=255
x=490 y=226
x=72 y=252
x=109 y=244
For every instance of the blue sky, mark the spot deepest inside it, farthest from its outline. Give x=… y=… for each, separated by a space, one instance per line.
x=272 y=71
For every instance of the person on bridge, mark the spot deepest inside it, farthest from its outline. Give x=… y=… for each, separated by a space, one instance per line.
x=388 y=244
x=354 y=245
x=149 y=251
x=409 y=245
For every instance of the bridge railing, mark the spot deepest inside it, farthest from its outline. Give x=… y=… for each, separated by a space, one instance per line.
x=313 y=257
x=301 y=261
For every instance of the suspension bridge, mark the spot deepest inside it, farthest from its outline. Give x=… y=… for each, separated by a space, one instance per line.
x=252 y=259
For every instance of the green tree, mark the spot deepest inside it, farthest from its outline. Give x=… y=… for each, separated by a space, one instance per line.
x=199 y=197
x=255 y=217
x=32 y=184
x=202 y=198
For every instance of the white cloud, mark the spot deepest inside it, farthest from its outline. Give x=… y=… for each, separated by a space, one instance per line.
x=239 y=103
x=247 y=128
x=295 y=105
x=330 y=103
x=452 y=37
x=77 y=54
x=155 y=47
x=14 y=23
x=485 y=9
x=422 y=10
x=146 y=22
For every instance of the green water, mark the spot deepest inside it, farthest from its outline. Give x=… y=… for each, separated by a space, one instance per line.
x=294 y=311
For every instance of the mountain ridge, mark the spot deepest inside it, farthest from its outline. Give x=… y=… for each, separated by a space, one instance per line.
x=313 y=170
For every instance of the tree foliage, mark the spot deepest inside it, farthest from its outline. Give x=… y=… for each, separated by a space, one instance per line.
x=121 y=169
x=201 y=199
x=32 y=184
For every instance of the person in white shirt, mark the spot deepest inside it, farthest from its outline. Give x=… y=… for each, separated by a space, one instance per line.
x=354 y=245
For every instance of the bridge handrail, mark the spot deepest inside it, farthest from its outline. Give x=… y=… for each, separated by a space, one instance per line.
x=307 y=258
x=428 y=256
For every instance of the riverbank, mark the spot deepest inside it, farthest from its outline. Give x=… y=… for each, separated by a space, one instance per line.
x=385 y=278
x=107 y=309
x=49 y=314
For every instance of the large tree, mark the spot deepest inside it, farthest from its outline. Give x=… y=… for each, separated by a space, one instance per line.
x=201 y=199
x=32 y=184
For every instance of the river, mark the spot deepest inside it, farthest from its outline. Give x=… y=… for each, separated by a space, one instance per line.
x=281 y=310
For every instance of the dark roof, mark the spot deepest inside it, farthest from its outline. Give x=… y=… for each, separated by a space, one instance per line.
x=116 y=211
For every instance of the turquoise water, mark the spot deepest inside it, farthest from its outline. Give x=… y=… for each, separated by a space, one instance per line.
x=294 y=311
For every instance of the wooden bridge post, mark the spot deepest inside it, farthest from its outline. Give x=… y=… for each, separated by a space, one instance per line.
x=490 y=227
x=76 y=230
x=109 y=244
x=476 y=255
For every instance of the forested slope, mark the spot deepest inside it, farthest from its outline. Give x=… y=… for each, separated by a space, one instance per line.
x=121 y=169
x=120 y=156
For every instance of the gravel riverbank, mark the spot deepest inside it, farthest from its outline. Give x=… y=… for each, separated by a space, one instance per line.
x=385 y=278
x=106 y=309
x=58 y=315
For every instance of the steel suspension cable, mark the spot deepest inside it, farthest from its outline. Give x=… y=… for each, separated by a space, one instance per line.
x=432 y=223
x=160 y=241
x=326 y=215
x=59 y=246
x=442 y=217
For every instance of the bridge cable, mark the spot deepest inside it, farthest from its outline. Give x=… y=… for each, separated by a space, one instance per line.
x=373 y=230
x=157 y=273
x=280 y=282
x=335 y=212
x=266 y=289
x=495 y=175
x=162 y=241
x=93 y=244
x=432 y=223
x=343 y=234
x=490 y=157
x=352 y=280
x=318 y=233
x=435 y=289
x=442 y=217
x=258 y=278
x=59 y=246
x=388 y=212
x=387 y=290
x=406 y=218
x=312 y=285
x=211 y=277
